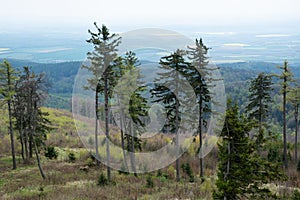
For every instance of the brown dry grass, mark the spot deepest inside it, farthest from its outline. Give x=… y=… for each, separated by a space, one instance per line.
x=66 y=181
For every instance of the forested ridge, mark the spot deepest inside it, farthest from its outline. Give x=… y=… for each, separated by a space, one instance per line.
x=236 y=76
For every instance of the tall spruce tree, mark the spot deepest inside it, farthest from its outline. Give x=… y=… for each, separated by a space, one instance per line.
x=138 y=108
x=32 y=123
x=132 y=105
x=286 y=78
x=21 y=102
x=200 y=78
x=8 y=77
x=259 y=100
x=242 y=172
x=175 y=68
x=102 y=58
x=121 y=70
x=19 y=110
x=294 y=99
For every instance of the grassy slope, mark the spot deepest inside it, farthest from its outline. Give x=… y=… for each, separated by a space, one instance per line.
x=66 y=180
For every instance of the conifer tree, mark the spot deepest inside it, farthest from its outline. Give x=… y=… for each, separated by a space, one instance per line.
x=102 y=58
x=259 y=100
x=241 y=170
x=175 y=68
x=133 y=106
x=121 y=70
x=200 y=78
x=294 y=99
x=32 y=123
x=137 y=108
x=286 y=78
x=8 y=77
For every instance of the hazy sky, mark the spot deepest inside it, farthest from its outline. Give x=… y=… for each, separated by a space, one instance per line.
x=148 y=12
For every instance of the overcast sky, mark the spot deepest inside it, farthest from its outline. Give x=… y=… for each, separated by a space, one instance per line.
x=148 y=12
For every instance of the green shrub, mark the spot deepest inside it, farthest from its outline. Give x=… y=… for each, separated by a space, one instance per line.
x=274 y=155
x=51 y=153
x=188 y=170
x=171 y=172
x=83 y=155
x=71 y=157
x=102 y=180
x=163 y=179
x=192 y=179
x=162 y=175
x=150 y=183
x=41 y=194
x=91 y=141
x=296 y=195
x=90 y=162
x=159 y=173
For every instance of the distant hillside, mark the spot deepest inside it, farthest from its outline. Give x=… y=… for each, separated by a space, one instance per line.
x=259 y=67
x=61 y=75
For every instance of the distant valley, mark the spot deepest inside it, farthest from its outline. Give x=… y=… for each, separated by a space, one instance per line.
x=226 y=47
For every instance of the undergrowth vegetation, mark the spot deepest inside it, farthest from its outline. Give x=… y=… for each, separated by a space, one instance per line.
x=73 y=173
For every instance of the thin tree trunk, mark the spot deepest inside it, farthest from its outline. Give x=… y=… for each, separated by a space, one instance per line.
x=39 y=160
x=122 y=136
x=132 y=155
x=284 y=127
x=30 y=148
x=200 y=138
x=22 y=141
x=31 y=121
x=26 y=146
x=123 y=144
x=296 y=133
x=260 y=130
x=106 y=125
x=96 y=125
x=260 y=116
x=19 y=115
x=228 y=160
x=177 y=130
x=33 y=141
x=177 y=147
x=177 y=142
x=11 y=133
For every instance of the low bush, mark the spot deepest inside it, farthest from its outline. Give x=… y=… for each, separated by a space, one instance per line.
x=71 y=157
x=51 y=153
x=102 y=180
x=150 y=183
